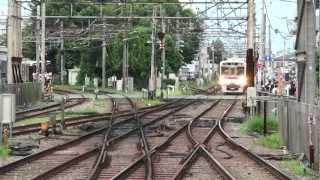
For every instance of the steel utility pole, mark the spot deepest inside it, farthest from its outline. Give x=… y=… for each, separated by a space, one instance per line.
x=152 y=78
x=163 y=52
x=250 y=44
x=61 y=53
x=125 y=64
x=270 y=62
x=262 y=45
x=213 y=77
x=104 y=51
x=38 y=44
x=43 y=38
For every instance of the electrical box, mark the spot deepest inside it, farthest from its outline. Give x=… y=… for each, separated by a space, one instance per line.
x=251 y=97
x=7 y=108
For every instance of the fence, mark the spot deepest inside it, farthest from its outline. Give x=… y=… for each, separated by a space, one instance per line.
x=26 y=93
x=298 y=124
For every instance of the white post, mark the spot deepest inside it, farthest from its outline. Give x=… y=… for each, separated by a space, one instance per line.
x=61 y=53
x=43 y=37
x=104 y=50
x=38 y=43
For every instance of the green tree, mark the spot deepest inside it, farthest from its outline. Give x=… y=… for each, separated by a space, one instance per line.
x=87 y=54
x=219 y=51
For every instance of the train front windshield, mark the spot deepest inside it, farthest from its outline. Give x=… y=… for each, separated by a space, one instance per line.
x=232 y=71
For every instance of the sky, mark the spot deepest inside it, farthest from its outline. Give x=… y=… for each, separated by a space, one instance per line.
x=281 y=15
x=280 y=12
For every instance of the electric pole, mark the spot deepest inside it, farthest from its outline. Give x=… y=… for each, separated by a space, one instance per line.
x=43 y=38
x=262 y=45
x=125 y=63
x=61 y=53
x=104 y=51
x=14 y=42
x=270 y=62
x=213 y=70
x=306 y=49
x=250 y=44
x=11 y=5
x=38 y=44
x=152 y=79
x=163 y=52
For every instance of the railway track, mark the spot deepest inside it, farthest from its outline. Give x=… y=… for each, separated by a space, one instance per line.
x=123 y=107
x=187 y=155
x=43 y=163
x=124 y=146
x=74 y=121
x=218 y=151
x=71 y=102
x=185 y=142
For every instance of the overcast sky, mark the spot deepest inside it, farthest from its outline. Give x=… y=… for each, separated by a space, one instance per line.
x=281 y=13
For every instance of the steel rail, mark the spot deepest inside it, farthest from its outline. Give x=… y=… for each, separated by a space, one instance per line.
x=146 y=148
x=71 y=102
x=123 y=174
x=102 y=156
x=272 y=169
x=99 y=161
x=198 y=148
x=193 y=140
x=43 y=153
x=219 y=128
x=145 y=156
x=25 y=129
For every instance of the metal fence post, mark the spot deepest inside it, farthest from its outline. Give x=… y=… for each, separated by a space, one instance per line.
x=258 y=105
x=62 y=113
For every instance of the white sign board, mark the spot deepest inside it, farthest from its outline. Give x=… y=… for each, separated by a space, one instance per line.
x=96 y=82
x=87 y=81
x=119 y=85
x=7 y=108
x=251 y=97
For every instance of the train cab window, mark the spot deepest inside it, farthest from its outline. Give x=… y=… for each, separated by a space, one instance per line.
x=225 y=70
x=240 y=70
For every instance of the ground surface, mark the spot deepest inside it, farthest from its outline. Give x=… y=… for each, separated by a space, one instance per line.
x=233 y=129
x=103 y=105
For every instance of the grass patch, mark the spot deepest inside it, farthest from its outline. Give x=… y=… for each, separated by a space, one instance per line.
x=33 y=120
x=255 y=125
x=272 y=141
x=297 y=168
x=67 y=114
x=4 y=152
x=151 y=102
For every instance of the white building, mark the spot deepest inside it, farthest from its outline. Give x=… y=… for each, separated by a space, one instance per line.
x=189 y=71
x=3 y=64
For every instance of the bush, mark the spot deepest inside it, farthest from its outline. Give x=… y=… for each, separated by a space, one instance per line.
x=151 y=102
x=255 y=125
x=297 y=168
x=4 y=152
x=272 y=141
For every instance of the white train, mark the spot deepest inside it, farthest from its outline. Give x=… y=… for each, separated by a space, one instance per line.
x=232 y=77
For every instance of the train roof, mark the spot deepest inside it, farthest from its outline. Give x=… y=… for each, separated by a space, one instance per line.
x=239 y=60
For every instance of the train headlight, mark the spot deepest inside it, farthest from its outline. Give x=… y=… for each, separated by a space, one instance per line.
x=222 y=81
x=243 y=80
